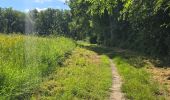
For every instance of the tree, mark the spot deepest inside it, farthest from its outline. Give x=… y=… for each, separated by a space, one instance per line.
x=139 y=25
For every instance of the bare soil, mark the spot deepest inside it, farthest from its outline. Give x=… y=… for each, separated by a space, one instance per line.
x=162 y=75
x=116 y=93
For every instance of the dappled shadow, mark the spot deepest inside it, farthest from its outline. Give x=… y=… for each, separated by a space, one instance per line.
x=133 y=58
x=100 y=50
x=128 y=56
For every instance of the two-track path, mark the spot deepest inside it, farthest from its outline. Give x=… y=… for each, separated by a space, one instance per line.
x=116 y=93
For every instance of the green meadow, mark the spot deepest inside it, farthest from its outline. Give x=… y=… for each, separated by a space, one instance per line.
x=46 y=68
x=26 y=60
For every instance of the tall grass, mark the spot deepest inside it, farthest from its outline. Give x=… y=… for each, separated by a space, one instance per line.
x=24 y=60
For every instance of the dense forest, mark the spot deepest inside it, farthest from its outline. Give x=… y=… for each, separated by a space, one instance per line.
x=141 y=25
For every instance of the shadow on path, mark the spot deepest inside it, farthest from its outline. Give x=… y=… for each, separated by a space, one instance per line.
x=132 y=58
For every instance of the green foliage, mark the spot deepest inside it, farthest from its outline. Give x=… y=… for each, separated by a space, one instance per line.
x=49 y=21
x=11 y=21
x=52 y=21
x=25 y=60
x=80 y=22
x=139 y=25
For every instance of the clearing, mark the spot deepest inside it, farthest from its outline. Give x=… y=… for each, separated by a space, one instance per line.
x=65 y=70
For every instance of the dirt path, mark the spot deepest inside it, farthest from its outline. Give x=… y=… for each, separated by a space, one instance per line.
x=116 y=93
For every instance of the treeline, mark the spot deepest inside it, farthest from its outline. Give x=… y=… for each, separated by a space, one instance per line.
x=46 y=22
x=141 y=25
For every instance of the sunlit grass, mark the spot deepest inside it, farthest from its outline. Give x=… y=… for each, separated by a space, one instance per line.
x=138 y=83
x=24 y=60
x=84 y=76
